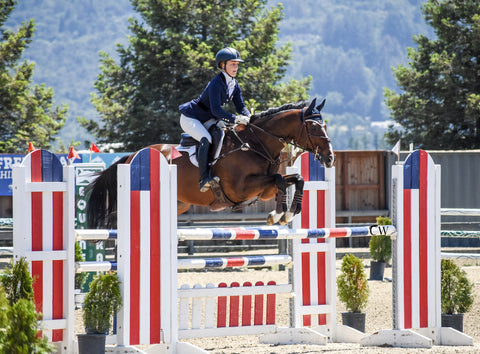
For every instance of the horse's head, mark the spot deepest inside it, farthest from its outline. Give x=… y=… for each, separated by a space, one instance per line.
x=293 y=123
x=315 y=129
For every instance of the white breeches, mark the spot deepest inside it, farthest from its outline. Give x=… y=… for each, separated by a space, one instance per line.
x=195 y=128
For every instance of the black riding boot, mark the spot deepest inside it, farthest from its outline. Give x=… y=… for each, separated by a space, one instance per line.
x=206 y=180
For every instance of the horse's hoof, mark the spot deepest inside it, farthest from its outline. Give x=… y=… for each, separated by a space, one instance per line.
x=289 y=216
x=273 y=218
x=283 y=220
x=270 y=220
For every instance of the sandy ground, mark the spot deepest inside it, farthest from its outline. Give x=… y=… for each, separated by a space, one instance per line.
x=379 y=315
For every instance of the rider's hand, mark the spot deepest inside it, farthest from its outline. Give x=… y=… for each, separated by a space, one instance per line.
x=240 y=119
x=221 y=124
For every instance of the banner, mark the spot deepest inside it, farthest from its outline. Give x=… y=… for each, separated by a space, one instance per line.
x=6 y=163
x=8 y=160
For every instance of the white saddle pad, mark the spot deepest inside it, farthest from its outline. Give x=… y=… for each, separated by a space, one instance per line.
x=191 y=151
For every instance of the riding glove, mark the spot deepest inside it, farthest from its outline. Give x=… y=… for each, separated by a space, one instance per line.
x=221 y=124
x=241 y=119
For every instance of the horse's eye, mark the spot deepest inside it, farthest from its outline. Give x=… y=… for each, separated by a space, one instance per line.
x=316 y=128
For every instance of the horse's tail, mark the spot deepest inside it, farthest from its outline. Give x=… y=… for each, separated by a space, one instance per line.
x=102 y=198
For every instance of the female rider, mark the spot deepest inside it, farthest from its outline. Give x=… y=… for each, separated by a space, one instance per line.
x=220 y=90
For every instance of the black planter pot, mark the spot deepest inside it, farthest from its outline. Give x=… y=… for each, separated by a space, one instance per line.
x=376 y=270
x=355 y=320
x=454 y=320
x=91 y=343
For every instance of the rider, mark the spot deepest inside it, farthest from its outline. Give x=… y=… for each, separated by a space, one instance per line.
x=220 y=90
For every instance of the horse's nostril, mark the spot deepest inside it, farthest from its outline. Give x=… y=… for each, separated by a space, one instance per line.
x=330 y=161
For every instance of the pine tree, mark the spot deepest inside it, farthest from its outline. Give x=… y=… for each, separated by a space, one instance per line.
x=170 y=59
x=26 y=113
x=20 y=332
x=439 y=106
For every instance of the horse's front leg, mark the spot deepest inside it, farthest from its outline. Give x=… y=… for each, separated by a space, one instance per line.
x=296 y=206
x=281 y=201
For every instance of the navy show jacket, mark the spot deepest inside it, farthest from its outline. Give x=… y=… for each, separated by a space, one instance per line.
x=209 y=104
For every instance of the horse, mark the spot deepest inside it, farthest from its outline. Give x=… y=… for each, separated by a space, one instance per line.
x=247 y=166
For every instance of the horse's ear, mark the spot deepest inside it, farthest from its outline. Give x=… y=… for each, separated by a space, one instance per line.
x=320 y=106
x=310 y=108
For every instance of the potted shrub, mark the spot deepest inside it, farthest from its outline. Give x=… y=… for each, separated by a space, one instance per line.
x=380 y=250
x=19 y=326
x=456 y=294
x=352 y=287
x=99 y=307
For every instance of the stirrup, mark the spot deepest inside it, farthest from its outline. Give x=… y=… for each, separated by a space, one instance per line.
x=207 y=183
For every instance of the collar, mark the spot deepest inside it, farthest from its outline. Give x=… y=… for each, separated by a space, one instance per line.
x=228 y=78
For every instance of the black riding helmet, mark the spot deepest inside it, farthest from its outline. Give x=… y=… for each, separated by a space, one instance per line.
x=227 y=54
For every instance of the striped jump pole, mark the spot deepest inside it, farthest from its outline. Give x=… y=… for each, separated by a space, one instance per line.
x=95 y=235
x=268 y=233
x=43 y=214
x=91 y=266
x=416 y=195
x=460 y=255
x=230 y=262
x=460 y=212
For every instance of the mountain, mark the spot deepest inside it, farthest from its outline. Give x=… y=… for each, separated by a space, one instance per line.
x=347 y=46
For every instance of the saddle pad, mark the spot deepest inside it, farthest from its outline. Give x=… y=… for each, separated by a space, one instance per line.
x=191 y=150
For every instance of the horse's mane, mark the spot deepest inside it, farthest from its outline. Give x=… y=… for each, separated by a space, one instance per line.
x=272 y=111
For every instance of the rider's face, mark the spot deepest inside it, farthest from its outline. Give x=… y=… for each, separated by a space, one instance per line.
x=231 y=68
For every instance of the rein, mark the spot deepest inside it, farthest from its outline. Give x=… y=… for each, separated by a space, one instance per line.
x=246 y=147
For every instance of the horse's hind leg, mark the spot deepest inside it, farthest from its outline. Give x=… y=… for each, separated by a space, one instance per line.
x=296 y=206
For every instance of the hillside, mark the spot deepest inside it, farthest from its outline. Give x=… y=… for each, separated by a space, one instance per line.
x=347 y=46
x=69 y=36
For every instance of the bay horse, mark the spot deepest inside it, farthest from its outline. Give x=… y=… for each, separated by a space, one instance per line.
x=247 y=166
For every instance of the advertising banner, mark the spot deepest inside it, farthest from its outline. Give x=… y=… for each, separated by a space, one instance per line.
x=6 y=163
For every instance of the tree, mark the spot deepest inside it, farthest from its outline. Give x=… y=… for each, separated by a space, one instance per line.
x=439 y=107
x=170 y=59
x=26 y=113
x=20 y=331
